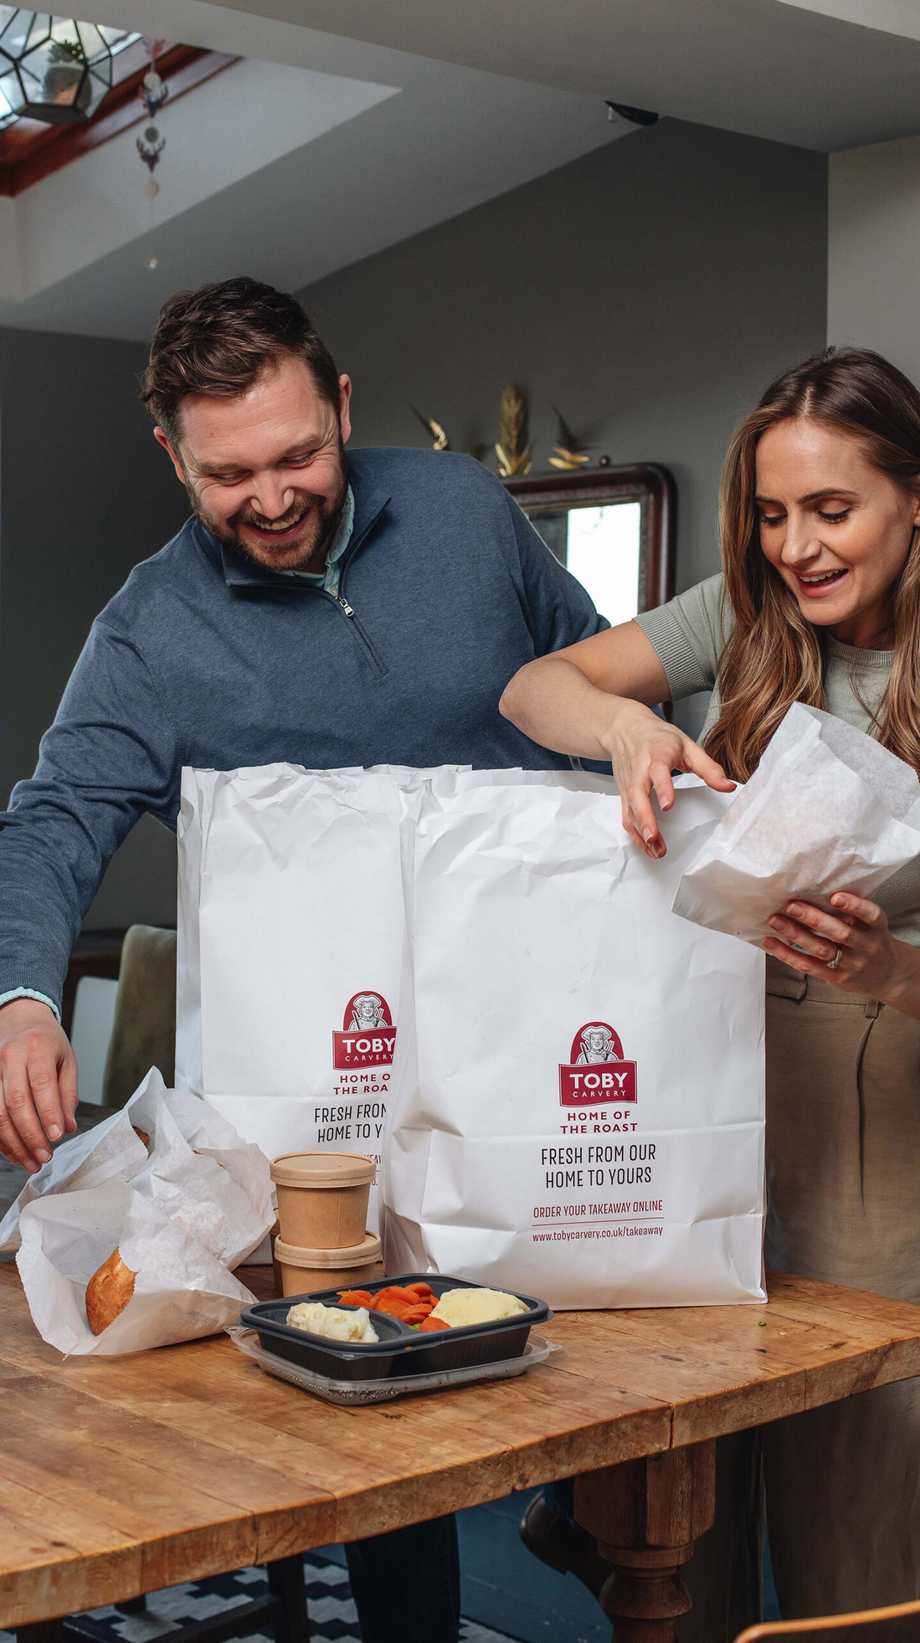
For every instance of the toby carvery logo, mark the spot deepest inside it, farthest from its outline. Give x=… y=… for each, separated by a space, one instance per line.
x=368 y=1037
x=596 y=1074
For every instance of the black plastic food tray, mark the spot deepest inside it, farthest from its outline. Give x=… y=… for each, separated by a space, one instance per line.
x=400 y=1350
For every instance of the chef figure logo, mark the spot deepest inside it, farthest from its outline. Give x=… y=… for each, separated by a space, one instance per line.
x=367 y=1010
x=611 y=1080
x=596 y=1043
x=368 y=1036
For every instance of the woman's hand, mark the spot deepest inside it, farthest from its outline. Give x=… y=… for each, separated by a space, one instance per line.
x=852 y=948
x=589 y=700
x=643 y=751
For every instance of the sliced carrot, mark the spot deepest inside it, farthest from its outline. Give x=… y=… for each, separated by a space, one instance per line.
x=356 y=1297
x=393 y=1308
x=399 y=1309
x=409 y=1302
x=397 y=1296
x=429 y=1325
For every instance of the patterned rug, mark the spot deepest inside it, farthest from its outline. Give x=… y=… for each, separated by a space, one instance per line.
x=332 y=1612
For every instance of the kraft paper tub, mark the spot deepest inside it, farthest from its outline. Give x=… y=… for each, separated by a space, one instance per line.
x=323 y=1198
x=400 y=1349
x=308 y=1269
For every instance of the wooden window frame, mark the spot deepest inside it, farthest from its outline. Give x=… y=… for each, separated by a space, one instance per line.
x=647 y=483
x=28 y=156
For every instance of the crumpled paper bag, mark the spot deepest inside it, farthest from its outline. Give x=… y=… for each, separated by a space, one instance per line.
x=181 y=1293
x=827 y=809
x=198 y=1172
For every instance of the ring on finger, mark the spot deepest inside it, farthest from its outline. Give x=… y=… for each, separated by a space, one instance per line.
x=834 y=963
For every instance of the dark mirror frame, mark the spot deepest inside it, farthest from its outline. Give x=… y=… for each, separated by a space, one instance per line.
x=647 y=483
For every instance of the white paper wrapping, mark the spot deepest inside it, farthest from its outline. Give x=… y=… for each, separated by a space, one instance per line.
x=579 y=1083
x=827 y=809
x=198 y=1172
x=181 y=1292
x=291 y=930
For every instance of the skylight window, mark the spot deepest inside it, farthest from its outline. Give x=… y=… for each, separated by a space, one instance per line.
x=19 y=24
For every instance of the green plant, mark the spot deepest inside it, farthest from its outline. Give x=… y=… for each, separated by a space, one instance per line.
x=66 y=51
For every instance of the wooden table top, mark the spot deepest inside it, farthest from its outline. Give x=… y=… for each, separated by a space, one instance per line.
x=122 y=1475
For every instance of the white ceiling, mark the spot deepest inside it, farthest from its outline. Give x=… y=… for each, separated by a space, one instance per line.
x=310 y=154
x=355 y=124
x=823 y=74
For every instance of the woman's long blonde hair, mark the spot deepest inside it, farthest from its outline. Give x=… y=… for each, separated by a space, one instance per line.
x=773 y=656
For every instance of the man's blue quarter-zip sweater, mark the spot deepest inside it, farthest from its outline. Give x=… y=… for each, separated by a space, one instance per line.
x=203 y=659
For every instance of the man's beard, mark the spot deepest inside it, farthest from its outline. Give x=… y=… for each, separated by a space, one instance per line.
x=306 y=551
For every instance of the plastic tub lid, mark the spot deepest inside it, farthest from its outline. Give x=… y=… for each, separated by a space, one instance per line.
x=362 y=1254
x=322 y=1169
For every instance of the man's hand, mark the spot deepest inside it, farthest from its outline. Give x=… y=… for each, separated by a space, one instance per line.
x=38 y=1083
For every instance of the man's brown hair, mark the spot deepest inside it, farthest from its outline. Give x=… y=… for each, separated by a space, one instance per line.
x=216 y=341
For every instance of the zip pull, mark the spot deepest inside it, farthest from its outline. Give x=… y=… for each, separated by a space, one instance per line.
x=343 y=605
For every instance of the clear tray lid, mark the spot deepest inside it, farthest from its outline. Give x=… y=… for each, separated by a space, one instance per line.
x=384 y=1391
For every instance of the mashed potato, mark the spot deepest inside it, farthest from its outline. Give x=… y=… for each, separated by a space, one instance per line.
x=458 y=1307
x=333 y=1321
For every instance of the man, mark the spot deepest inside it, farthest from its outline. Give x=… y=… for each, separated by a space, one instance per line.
x=317 y=608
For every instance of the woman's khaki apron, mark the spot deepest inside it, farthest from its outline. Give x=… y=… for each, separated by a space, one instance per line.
x=843 y=1192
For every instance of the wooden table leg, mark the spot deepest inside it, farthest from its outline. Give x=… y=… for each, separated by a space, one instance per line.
x=286 y=1582
x=645 y=1516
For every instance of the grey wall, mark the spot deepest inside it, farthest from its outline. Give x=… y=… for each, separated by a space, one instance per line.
x=651 y=290
x=84 y=494
x=874 y=250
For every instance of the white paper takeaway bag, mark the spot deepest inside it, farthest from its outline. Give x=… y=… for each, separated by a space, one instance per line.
x=290 y=936
x=580 y=1088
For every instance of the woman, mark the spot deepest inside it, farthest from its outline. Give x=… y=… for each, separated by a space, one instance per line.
x=819 y=603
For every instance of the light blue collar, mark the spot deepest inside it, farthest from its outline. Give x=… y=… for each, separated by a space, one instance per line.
x=329 y=579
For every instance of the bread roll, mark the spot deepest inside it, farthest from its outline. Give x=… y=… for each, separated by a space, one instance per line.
x=108 y=1292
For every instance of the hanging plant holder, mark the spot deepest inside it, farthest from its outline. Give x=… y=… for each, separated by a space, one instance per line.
x=52 y=68
x=153 y=93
